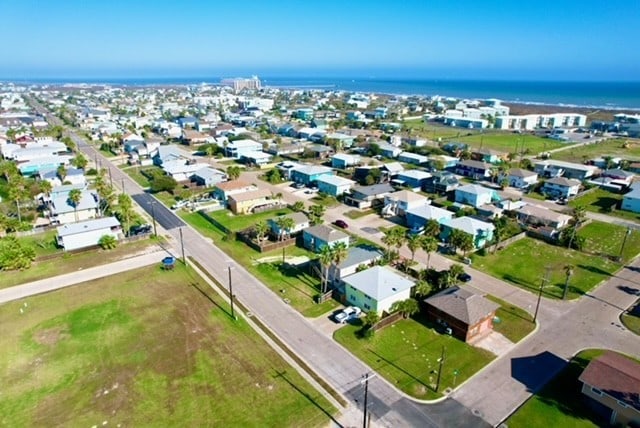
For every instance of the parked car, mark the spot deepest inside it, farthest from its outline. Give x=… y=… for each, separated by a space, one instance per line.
x=347 y=314
x=141 y=229
x=465 y=277
x=341 y=223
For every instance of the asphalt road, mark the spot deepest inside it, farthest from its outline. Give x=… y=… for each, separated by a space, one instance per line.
x=158 y=211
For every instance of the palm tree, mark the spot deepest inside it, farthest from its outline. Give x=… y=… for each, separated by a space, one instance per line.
x=233 y=172
x=500 y=225
x=422 y=289
x=261 y=228
x=389 y=240
x=285 y=224
x=406 y=307
x=107 y=242
x=432 y=228
x=579 y=215
x=297 y=206
x=45 y=187
x=340 y=253
x=315 y=213
x=17 y=193
x=74 y=199
x=325 y=258
x=62 y=172
x=568 y=271
x=414 y=242
x=429 y=245
x=80 y=161
x=125 y=211
x=209 y=150
x=370 y=319
x=454 y=272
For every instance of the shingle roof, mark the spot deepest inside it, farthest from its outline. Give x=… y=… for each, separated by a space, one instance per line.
x=462 y=304
x=248 y=196
x=358 y=255
x=326 y=233
x=232 y=185
x=561 y=181
x=615 y=375
x=519 y=172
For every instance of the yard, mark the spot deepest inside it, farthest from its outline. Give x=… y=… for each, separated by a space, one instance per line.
x=604 y=202
x=511 y=143
x=606 y=239
x=144 y=348
x=239 y=222
x=631 y=319
x=560 y=403
x=524 y=263
x=513 y=323
x=299 y=287
x=63 y=262
x=613 y=147
x=407 y=355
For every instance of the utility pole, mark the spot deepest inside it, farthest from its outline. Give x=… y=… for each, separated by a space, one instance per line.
x=233 y=315
x=184 y=260
x=545 y=279
x=123 y=186
x=624 y=241
x=440 y=369
x=366 y=417
x=153 y=216
x=110 y=177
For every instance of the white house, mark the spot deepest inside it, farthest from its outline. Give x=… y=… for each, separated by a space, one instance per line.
x=521 y=178
x=376 y=289
x=356 y=257
x=181 y=171
x=236 y=149
x=475 y=195
x=62 y=210
x=412 y=158
x=87 y=233
x=399 y=203
x=560 y=187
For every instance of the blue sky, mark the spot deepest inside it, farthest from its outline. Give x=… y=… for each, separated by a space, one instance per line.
x=561 y=39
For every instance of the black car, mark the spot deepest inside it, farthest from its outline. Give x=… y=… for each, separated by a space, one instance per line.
x=341 y=223
x=141 y=229
x=465 y=277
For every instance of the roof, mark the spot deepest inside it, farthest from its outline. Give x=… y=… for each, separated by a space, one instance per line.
x=567 y=165
x=251 y=195
x=415 y=156
x=462 y=304
x=256 y=155
x=634 y=193
x=345 y=157
x=475 y=164
x=519 y=172
x=87 y=226
x=475 y=189
x=375 y=189
x=561 y=181
x=429 y=212
x=617 y=173
x=379 y=282
x=298 y=218
x=469 y=225
x=359 y=255
x=233 y=185
x=415 y=174
x=208 y=172
x=313 y=170
x=335 y=180
x=615 y=375
x=61 y=204
x=243 y=143
x=393 y=167
x=407 y=196
x=543 y=213
x=325 y=233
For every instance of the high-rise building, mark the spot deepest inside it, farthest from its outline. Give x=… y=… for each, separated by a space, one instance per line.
x=238 y=84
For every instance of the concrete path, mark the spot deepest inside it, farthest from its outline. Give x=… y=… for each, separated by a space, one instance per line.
x=77 y=277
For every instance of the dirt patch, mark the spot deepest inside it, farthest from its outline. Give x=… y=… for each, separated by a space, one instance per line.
x=50 y=336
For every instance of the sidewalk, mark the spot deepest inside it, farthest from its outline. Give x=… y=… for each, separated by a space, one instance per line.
x=73 y=278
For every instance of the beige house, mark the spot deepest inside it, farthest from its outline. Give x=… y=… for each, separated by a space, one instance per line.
x=247 y=202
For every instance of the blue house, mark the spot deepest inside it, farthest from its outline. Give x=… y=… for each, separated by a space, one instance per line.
x=418 y=217
x=188 y=122
x=343 y=160
x=304 y=113
x=316 y=237
x=287 y=130
x=482 y=232
x=308 y=174
x=334 y=185
x=412 y=158
x=631 y=201
x=475 y=195
x=474 y=169
x=413 y=178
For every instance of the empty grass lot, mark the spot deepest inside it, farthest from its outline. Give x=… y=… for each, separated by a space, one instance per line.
x=406 y=354
x=515 y=323
x=613 y=147
x=144 y=348
x=606 y=239
x=523 y=264
x=511 y=143
x=604 y=202
x=560 y=403
x=299 y=287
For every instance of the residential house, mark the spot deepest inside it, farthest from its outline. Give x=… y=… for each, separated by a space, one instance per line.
x=318 y=151
x=631 y=201
x=334 y=185
x=366 y=196
x=611 y=382
x=166 y=154
x=447 y=161
x=188 y=122
x=256 y=158
x=413 y=178
x=208 y=177
x=344 y=141
x=475 y=169
x=180 y=170
x=475 y=195
x=619 y=177
x=247 y=202
x=521 y=178
x=236 y=149
x=192 y=137
x=35 y=166
x=316 y=237
x=560 y=187
x=392 y=169
x=482 y=232
x=343 y=160
x=387 y=150
x=87 y=233
x=286 y=168
x=467 y=316
x=537 y=216
x=412 y=158
x=441 y=182
x=464 y=122
x=488 y=156
x=50 y=175
x=398 y=203
x=62 y=210
x=222 y=191
x=418 y=217
x=356 y=257
x=376 y=289
x=551 y=168
x=308 y=174
x=300 y=222
x=304 y=114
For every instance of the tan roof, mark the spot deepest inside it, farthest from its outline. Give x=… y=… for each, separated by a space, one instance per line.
x=248 y=196
x=463 y=305
x=543 y=213
x=232 y=185
x=407 y=196
x=615 y=375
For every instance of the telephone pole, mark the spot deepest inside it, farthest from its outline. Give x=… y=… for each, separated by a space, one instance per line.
x=545 y=279
x=440 y=369
x=366 y=416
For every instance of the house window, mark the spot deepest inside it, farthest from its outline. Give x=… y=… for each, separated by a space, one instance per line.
x=596 y=391
x=622 y=404
x=367 y=306
x=352 y=297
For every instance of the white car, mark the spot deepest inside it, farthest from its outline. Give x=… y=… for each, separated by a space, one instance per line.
x=347 y=314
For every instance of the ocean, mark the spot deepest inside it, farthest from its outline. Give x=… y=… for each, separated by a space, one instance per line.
x=598 y=95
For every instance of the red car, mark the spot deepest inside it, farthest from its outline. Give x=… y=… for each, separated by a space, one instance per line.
x=341 y=223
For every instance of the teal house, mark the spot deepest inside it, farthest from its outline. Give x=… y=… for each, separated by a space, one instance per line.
x=481 y=231
x=308 y=174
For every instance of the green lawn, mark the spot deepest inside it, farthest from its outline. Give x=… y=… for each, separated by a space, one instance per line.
x=560 y=403
x=604 y=202
x=631 y=319
x=67 y=262
x=433 y=131
x=523 y=264
x=239 y=222
x=324 y=199
x=514 y=323
x=511 y=143
x=406 y=354
x=299 y=287
x=355 y=214
x=144 y=348
x=44 y=244
x=138 y=177
x=613 y=147
x=606 y=239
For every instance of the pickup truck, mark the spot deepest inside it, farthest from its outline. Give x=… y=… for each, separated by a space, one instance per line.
x=347 y=314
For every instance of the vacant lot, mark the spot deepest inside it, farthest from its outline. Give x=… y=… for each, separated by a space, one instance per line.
x=511 y=143
x=144 y=348
x=513 y=323
x=606 y=239
x=602 y=201
x=407 y=355
x=299 y=287
x=613 y=147
x=524 y=263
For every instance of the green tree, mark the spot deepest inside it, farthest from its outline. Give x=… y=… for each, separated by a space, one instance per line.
x=14 y=255
x=422 y=289
x=125 y=211
x=163 y=183
x=316 y=212
x=325 y=258
x=406 y=307
x=285 y=224
x=261 y=228
x=579 y=215
x=340 y=253
x=62 y=172
x=108 y=242
x=17 y=193
x=274 y=176
x=499 y=232
x=454 y=272
x=432 y=228
x=233 y=172
x=414 y=243
x=74 y=198
x=80 y=161
x=297 y=206
x=429 y=245
x=370 y=319
x=466 y=243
